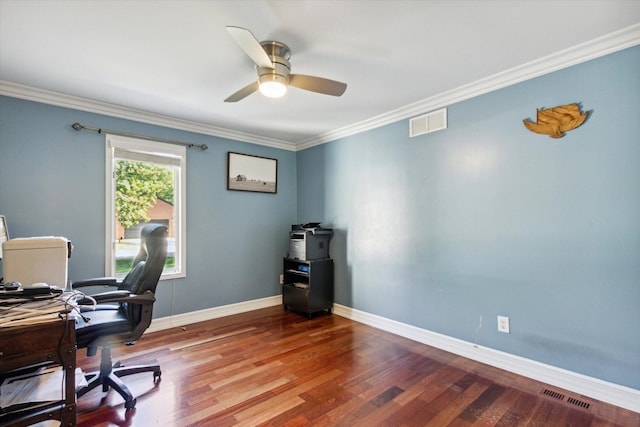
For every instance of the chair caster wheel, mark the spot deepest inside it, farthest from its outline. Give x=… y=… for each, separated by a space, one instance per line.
x=130 y=404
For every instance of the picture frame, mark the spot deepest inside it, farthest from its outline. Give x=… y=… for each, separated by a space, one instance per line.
x=246 y=172
x=4 y=232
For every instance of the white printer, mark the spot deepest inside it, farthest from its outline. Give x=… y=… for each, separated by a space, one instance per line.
x=32 y=260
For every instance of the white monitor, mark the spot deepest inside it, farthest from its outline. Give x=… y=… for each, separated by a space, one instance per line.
x=4 y=232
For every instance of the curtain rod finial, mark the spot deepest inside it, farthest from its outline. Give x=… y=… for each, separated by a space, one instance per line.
x=77 y=126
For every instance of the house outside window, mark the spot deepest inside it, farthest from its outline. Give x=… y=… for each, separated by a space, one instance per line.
x=145 y=183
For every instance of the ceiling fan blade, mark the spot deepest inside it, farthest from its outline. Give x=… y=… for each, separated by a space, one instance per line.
x=251 y=46
x=317 y=84
x=244 y=92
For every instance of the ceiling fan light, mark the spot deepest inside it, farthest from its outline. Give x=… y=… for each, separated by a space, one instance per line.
x=273 y=89
x=273 y=86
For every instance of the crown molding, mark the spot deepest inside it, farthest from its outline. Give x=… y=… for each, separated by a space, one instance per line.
x=601 y=46
x=29 y=93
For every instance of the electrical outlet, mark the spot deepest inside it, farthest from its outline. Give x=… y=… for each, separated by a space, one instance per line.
x=503 y=324
x=282 y=279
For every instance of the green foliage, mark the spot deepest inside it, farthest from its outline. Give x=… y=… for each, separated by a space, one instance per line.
x=138 y=186
x=124 y=265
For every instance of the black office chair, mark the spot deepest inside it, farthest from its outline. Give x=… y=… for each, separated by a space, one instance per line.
x=122 y=315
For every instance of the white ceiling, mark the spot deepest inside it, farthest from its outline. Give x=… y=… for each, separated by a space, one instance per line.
x=175 y=58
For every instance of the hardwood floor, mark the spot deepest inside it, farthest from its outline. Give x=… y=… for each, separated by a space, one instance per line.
x=274 y=368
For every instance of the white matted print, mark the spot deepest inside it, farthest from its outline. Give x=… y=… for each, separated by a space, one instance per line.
x=252 y=173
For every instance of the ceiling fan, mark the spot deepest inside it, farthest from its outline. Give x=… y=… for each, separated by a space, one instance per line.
x=274 y=71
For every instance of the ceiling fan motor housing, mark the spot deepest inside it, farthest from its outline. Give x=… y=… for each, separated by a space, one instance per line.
x=276 y=49
x=280 y=74
x=279 y=53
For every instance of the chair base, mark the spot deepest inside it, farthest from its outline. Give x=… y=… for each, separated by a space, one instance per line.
x=109 y=377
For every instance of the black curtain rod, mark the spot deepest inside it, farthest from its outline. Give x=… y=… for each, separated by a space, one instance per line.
x=79 y=127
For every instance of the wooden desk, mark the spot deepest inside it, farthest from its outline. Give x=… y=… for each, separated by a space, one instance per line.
x=50 y=342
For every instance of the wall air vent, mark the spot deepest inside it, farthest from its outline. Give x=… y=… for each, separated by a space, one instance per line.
x=430 y=122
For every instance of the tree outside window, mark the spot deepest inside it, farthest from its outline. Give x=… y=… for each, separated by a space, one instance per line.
x=145 y=183
x=140 y=187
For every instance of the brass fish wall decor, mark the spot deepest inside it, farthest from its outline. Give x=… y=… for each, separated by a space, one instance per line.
x=557 y=120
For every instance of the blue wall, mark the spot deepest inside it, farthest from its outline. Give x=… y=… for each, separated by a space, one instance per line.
x=444 y=231
x=52 y=182
x=447 y=230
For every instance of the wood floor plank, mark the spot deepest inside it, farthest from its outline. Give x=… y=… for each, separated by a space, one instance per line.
x=475 y=410
x=449 y=408
x=269 y=367
x=491 y=415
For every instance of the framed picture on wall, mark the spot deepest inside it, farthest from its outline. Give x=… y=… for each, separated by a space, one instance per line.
x=252 y=173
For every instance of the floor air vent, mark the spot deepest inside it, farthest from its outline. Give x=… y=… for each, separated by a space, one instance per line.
x=570 y=400
x=553 y=394
x=579 y=403
x=431 y=122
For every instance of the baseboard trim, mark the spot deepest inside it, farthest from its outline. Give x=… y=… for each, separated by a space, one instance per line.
x=183 y=319
x=604 y=391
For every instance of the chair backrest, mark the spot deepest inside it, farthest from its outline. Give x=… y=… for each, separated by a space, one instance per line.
x=147 y=267
x=149 y=262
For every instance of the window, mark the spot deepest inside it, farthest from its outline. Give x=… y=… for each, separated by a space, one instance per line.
x=145 y=183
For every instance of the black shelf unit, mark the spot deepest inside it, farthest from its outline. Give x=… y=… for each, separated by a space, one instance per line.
x=308 y=285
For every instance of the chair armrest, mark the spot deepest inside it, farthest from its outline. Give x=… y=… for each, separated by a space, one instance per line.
x=110 y=296
x=146 y=298
x=97 y=281
x=102 y=298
